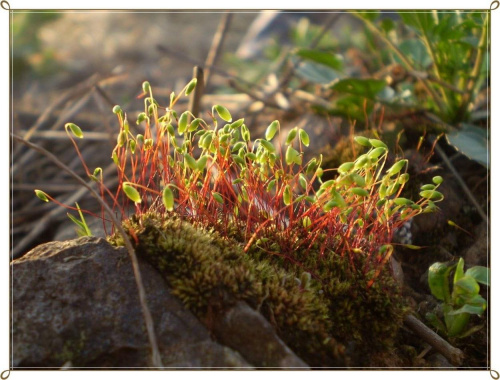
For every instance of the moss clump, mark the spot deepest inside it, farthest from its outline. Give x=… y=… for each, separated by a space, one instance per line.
x=313 y=302
x=209 y=273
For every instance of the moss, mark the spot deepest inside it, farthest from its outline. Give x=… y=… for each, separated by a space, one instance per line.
x=313 y=302
x=71 y=350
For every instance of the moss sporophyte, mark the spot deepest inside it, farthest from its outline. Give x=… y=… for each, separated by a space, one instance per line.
x=226 y=217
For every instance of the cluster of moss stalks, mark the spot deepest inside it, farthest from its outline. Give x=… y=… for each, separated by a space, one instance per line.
x=318 y=304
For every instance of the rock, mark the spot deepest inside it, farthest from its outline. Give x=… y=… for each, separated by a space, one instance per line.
x=77 y=302
x=244 y=329
x=477 y=254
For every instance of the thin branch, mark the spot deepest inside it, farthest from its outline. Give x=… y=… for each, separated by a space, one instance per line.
x=453 y=354
x=156 y=358
x=195 y=98
x=217 y=43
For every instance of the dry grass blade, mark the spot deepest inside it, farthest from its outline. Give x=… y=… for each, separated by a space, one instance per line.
x=217 y=43
x=156 y=358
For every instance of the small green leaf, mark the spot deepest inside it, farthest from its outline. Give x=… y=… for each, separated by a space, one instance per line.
x=75 y=129
x=304 y=137
x=190 y=86
x=480 y=274
x=131 y=192
x=459 y=271
x=42 y=195
x=367 y=88
x=223 y=113
x=327 y=59
x=168 y=198
x=272 y=129
x=467 y=285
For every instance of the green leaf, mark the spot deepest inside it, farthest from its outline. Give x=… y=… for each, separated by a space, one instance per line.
x=470 y=309
x=368 y=88
x=168 y=198
x=42 y=195
x=480 y=274
x=223 y=113
x=323 y=58
x=466 y=286
x=75 y=129
x=316 y=73
x=459 y=271
x=368 y=15
x=471 y=141
x=131 y=192
x=272 y=129
x=438 y=278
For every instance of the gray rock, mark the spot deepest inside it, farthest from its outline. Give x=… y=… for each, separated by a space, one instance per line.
x=77 y=302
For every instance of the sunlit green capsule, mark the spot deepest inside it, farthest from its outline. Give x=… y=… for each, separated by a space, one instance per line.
x=42 y=195
x=361 y=140
x=223 y=113
x=117 y=110
x=287 y=195
x=201 y=164
x=132 y=145
x=269 y=146
x=121 y=139
x=168 y=198
x=75 y=129
x=432 y=194
x=183 y=120
x=377 y=143
x=396 y=168
x=292 y=156
x=359 y=191
x=114 y=157
x=131 y=192
x=271 y=185
x=190 y=161
x=291 y=136
x=345 y=167
x=304 y=137
x=146 y=87
x=245 y=133
x=251 y=156
x=437 y=180
x=306 y=222
x=148 y=144
x=141 y=117
x=272 y=129
x=170 y=129
x=217 y=197
x=358 y=180
x=330 y=205
x=360 y=161
x=377 y=152
x=237 y=123
x=402 y=201
x=303 y=181
x=403 y=178
x=194 y=125
x=190 y=86
x=428 y=187
x=140 y=138
x=311 y=167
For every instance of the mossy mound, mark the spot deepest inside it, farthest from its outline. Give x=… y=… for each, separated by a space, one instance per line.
x=313 y=302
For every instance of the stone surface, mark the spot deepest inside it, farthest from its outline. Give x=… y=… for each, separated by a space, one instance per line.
x=77 y=302
x=244 y=329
